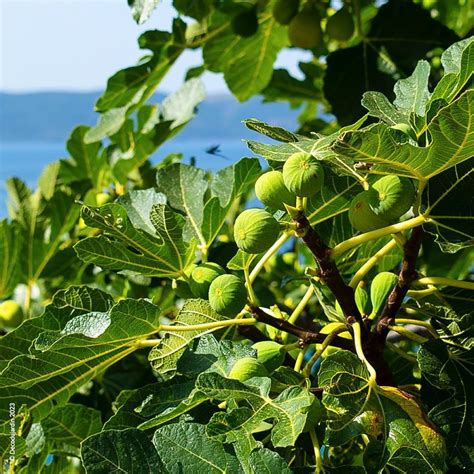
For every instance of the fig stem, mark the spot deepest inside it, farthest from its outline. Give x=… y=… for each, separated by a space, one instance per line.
x=371 y=262
x=468 y=285
x=317 y=451
x=400 y=352
x=299 y=309
x=252 y=298
x=299 y=361
x=408 y=334
x=417 y=294
x=356 y=327
x=417 y=322
x=377 y=233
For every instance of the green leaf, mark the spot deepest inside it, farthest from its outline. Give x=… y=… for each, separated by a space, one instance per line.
x=142 y=9
x=275 y=133
x=198 y=9
x=288 y=410
x=50 y=357
x=449 y=395
x=165 y=355
x=264 y=460
x=120 y=451
x=184 y=447
x=247 y=63
x=125 y=247
x=10 y=248
x=451 y=144
x=379 y=106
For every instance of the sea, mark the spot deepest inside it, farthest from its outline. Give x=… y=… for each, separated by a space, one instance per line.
x=26 y=160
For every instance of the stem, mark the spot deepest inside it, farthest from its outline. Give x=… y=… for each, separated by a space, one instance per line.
x=299 y=309
x=468 y=285
x=361 y=355
x=416 y=294
x=417 y=322
x=376 y=234
x=409 y=334
x=267 y=255
x=252 y=298
x=299 y=360
x=27 y=303
x=364 y=269
x=327 y=341
x=401 y=353
x=317 y=451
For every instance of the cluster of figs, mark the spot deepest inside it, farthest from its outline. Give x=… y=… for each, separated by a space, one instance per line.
x=256 y=229
x=303 y=19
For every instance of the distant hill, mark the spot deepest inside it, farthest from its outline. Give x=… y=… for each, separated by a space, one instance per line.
x=50 y=116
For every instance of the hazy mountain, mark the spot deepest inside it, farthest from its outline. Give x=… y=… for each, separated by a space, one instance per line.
x=50 y=116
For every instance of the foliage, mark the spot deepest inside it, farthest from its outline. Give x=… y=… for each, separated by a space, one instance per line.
x=123 y=363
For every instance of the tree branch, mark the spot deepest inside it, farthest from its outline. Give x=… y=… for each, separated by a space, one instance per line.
x=305 y=336
x=329 y=272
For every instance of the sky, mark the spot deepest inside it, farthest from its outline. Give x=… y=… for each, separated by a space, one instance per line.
x=75 y=45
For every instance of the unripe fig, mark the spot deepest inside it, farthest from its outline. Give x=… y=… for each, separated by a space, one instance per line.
x=245 y=24
x=396 y=196
x=303 y=174
x=304 y=30
x=271 y=190
x=227 y=295
x=340 y=26
x=270 y=354
x=255 y=230
x=381 y=286
x=202 y=276
x=246 y=368
x=362 y=212
x=285 y=10
x=11 y=314
x=102 y=198
x=362 y=300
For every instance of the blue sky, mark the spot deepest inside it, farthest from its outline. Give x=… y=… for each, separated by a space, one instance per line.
x=77 y=44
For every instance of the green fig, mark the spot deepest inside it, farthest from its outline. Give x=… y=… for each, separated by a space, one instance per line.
x=202 y=276
x=246 y=368
x=340 y=26
x=395 y=195
x=255 y=230
x=103 y=198
x=362 y=212
x=227 y=295
x=271 y=190
x=303 y=174
x=380 y=288
x=304 y=30
x=285 y=10
x=11 y=314
x=270 y=354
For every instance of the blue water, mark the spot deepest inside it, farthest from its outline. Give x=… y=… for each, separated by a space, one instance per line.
x=27 y=160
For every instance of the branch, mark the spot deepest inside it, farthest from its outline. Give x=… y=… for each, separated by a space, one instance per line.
x=305 y=336
x=405 y=278
x=329 y=272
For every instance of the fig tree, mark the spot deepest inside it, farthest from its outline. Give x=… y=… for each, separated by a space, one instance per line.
x=270 y=354
x=202 y=276
x=380 y=288
x=271 y=190
x=362 y=212
x=340 y=26
x=245 y=24
x=395 y=195
x=227 y=295
x=246 y=368
x=285 y=10
x=11 y=314
x=304 y=30
x=255 y=230
x=303 y=174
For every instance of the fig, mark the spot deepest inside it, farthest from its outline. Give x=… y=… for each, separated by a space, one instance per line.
x=246 y=368
x=270 y=354
x=102 y=198
x=255 y=230
x=304 y=30
x=303 y=174
x=227 y=295
x=380 y=288
x=362 y=212
x=245 y=24
x=340 y=26
x=202 y=276
x=285 y=10
x=11 y=314
x=362 y=300
x=271 y=190
x=396 y=196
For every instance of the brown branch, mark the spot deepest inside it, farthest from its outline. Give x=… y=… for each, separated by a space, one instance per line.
x=406 y=276
x=329 y=272
x=304 y=335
